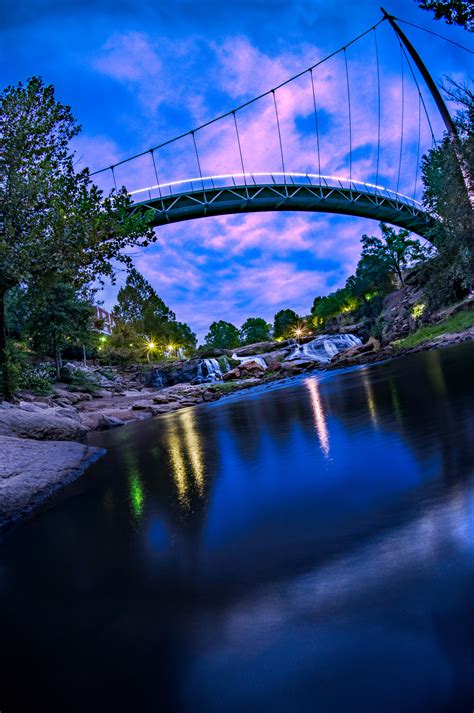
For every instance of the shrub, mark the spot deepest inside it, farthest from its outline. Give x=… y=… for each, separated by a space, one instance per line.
x=79 y=380
x=36 y=377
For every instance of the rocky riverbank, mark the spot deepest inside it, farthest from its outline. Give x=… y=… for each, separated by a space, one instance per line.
x=38 y=435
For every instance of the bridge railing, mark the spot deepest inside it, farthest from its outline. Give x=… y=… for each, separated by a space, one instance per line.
x=243 y=180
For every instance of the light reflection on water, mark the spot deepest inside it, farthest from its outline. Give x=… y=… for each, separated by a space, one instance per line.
x=318 y=413
x=307 y=547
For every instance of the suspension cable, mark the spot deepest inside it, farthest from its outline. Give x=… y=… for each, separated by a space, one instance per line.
x=350 y=114
x=379 y=109
x=279 y=134
x=402 y=126
x=446 y=39
x=113 y=176
x=316 y=122
x=245 y=104
x=240 y=147
x=418 y=148
x=154 y=168
x=198 y=161
x=433 y=138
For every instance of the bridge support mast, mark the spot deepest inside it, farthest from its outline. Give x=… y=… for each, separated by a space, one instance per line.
x=443 y=109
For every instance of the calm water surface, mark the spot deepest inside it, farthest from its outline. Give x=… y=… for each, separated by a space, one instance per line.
x=295 y=549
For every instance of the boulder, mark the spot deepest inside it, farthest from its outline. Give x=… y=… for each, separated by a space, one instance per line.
x=232 y=374
x=179 y=372
x=296 y=366
x=142 y=405
x=42 y=424
x=261 y=347
x=108 y=422
x=251 y=367
x=210 y=395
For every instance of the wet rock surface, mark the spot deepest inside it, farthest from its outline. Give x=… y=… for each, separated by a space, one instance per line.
x=31 y=471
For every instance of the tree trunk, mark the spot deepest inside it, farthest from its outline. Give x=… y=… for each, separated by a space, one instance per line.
x=84 y=355
x=57 y=358
x=5 y=383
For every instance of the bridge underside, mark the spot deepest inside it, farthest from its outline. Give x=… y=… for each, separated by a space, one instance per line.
x=382 y=206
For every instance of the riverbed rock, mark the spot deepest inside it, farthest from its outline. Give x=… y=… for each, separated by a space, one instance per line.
x=31 y=471
x=179 y=372
x=261 y=348
x=59 y=424
x=106 y=423
x=232 y=374
x=251 y=367
x=142 y=405
x=296 y=366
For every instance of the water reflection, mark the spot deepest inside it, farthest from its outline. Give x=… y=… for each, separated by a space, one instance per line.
x=186 y=456
x=253 y=553
x=318 y=414
x=370 y=398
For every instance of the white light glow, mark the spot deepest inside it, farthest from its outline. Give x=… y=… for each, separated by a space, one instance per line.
x=233 y=176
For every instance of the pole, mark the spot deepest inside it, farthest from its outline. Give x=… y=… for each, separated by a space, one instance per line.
x=442 y=108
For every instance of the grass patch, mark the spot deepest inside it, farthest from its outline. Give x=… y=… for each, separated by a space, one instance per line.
x=457 y=323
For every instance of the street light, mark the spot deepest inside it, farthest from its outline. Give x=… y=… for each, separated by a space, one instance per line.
x=150 y=346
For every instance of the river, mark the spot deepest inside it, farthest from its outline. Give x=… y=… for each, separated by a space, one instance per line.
x=303 y=547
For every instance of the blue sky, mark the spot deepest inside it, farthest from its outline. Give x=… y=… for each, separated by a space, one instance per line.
x=137 y=74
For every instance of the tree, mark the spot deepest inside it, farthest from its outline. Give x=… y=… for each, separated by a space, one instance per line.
x=54 y=223
x=330 y=306
x=450 y=274
x=254 y=329
x=396 y=250
x=454 y=12
x=222 y=335
x=283 y=322
x=124 y=346
x=58 y=319
x=139 y=304
x=181 y=336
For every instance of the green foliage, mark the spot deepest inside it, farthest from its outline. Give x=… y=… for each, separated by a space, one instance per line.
x=139 y=305
x=454 y=12
x=457 y=323
x=37 y=378
x=58 y=318
x=393 y=253
x=222 y=335
x=79 y=380
x=283 y=323
x=383 y=260
x=450 y=274
x=326 y=308
x=124 y=346
x=253 y=330
x=55 y=222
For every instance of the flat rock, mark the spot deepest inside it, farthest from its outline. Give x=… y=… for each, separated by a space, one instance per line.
x=55 y=424
x=31 y=471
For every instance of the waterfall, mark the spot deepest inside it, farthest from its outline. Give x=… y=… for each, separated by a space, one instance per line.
x=324 y=347
x=213 y=369
x=260 y=360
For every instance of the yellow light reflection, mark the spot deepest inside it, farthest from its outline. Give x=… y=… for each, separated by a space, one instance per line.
x=179 y=467
x=435 y=372
x=193 y=447
x=186 y=456
x=370 y=400
x=318 y=414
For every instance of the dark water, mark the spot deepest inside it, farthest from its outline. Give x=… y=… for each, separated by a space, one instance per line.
x=298 y=549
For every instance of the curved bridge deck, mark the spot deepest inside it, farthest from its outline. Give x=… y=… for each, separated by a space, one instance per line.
x=245 y=193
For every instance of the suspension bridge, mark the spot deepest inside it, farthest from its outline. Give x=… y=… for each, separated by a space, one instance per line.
x=365 y=163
